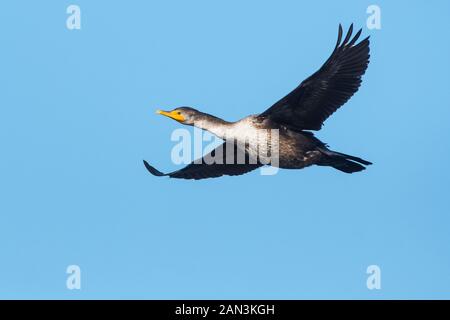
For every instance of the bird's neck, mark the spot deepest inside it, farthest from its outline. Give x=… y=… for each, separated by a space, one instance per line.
x=215 y=125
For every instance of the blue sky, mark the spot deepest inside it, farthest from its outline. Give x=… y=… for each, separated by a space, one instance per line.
x=77 y=118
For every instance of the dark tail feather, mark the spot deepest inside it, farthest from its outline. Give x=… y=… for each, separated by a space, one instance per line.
x=356 y=159
x=343 y=162
x=347 y=166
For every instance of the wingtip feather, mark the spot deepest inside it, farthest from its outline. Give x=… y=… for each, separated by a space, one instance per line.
x=355 y=38
x=153 y=170
x=339 y=36
x=348 y=36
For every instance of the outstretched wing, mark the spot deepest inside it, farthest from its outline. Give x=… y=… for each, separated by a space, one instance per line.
x=320 y=95
x=215 y=164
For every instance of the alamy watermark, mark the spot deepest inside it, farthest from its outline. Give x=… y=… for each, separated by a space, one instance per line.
x=73 y=281
x=374 y=19
x=374 y=279
x=257 y=146
x=73 y=21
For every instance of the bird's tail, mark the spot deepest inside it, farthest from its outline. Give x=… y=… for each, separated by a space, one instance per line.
x=343 y=162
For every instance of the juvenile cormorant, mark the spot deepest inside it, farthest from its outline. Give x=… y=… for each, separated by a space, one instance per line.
x=305 y=108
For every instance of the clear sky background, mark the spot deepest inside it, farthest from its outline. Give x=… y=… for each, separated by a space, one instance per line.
x=77 y=118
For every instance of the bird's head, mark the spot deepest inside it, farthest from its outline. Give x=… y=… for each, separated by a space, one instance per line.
x=184 y=115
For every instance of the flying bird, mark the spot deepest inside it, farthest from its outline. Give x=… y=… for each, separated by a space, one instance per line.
x=294 y=116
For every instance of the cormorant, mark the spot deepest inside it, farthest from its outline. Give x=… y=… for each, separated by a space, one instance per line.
x=303 y=109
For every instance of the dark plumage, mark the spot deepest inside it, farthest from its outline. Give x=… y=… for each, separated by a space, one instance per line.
x=204 y=170
x=320 y=95
x=305 y=108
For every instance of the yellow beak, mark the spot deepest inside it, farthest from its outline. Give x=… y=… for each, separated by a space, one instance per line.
x=175 y=115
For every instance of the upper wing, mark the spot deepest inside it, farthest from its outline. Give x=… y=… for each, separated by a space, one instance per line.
x=223 y=165
x=317 y=97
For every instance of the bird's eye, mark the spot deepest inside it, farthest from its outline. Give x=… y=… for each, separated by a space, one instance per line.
x=179 y=112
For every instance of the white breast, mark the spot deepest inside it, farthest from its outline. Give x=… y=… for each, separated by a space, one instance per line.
x=244 y=132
